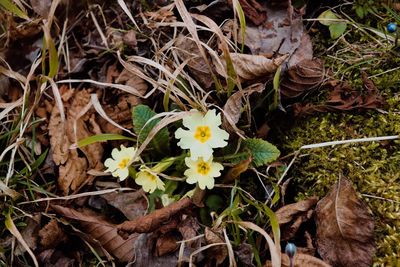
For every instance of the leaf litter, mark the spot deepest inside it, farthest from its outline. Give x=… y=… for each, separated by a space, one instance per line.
x=142 y=68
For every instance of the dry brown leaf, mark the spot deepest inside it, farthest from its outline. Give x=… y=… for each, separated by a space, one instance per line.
x=233 y=106
x=343 y=98
x=29 y=234
x=102 y=231
x=282 y=33
x=55 y=258
x=236 y=170
x=152 y=221
x=131 y=204
x=166 y=244
x=51 y=235
x=244 y=252
x=41 y=7
x=188 y=50
x=252 y=10
x=301 y=260
x=216 y=254
x=72 y=167
x=345 y=229
x=250 y=67
x=290 y=217
x=301 y=78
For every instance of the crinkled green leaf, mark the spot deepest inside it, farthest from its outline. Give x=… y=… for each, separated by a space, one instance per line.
x=327 y=18
x=142 y=126
x=262 y=151
x=337 y=29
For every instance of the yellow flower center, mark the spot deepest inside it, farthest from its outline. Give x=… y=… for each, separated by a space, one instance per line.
x=123 y=164
x=203 y=168
x=202 y=133
x=151 y=176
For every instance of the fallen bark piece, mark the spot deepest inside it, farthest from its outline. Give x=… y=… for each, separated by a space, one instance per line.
x=345 y=229
x=152 y=221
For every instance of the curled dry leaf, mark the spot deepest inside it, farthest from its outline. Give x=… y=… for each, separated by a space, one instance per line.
x=301 y=78
x=216 y=254
x=51 y=235
x=250 y=67
x=236 y=170
x=301 y=260
x=188 y=50
x=343 y=98
x=290 y=217
x=345 y=229
x=72 y=167
x=102 y=232
x=166 y=244
x=233 y=107
x=154 y=220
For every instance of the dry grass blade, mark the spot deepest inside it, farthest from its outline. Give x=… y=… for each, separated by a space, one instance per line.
x=273 y=248
x=127 y=12
x=9 y=223
x=102 y=113
x=191 y=27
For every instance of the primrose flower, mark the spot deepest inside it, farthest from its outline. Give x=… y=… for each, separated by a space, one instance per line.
x=202 y=172
x=118 y=164
x=203 y=134
x=149 y=180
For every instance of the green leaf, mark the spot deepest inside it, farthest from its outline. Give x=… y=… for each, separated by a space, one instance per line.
x=102 y=138
x=327 y=18
x=337 y=29
x=142 y=125
x=262 y=151
x=10 y=6
x=360 y=11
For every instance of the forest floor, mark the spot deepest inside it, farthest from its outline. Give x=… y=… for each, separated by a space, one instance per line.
x=199 y=133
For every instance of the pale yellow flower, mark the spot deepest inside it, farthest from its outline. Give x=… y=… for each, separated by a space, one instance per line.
x=202 y=172
x=149 y=180
x=203 y=134
x=119 y=163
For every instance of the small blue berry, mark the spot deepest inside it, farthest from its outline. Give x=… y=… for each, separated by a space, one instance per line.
x=290 y=249
x=391 y=27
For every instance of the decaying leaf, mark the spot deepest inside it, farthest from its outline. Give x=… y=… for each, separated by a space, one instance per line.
x=290 y=217
x=345 y=229
x=72 y=167
x=103 y=232
x=233 y=107
x=343 y=98
x=250 y=67
x=152 y=221
x=282 y=33
x=236 y=170
x=188 y=50
x=301 y=260
x=245 y=255
x=131 y=204
x=166 y=244
x=30 y=234
x=301 y=78
x=216 y=254
x=253 y=10
x=51 y=235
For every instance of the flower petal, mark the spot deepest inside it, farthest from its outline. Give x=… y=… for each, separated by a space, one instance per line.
x=122 y=173
x=193 y=120
x=218 y=138
x=111 y=165
x=187 y=138
x=212 y=119
x=198 y=150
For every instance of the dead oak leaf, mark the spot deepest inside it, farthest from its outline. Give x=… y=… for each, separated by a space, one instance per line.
x=51 y=235
x=345 y=229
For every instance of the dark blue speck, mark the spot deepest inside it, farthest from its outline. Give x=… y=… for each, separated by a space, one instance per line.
x=391 y=27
